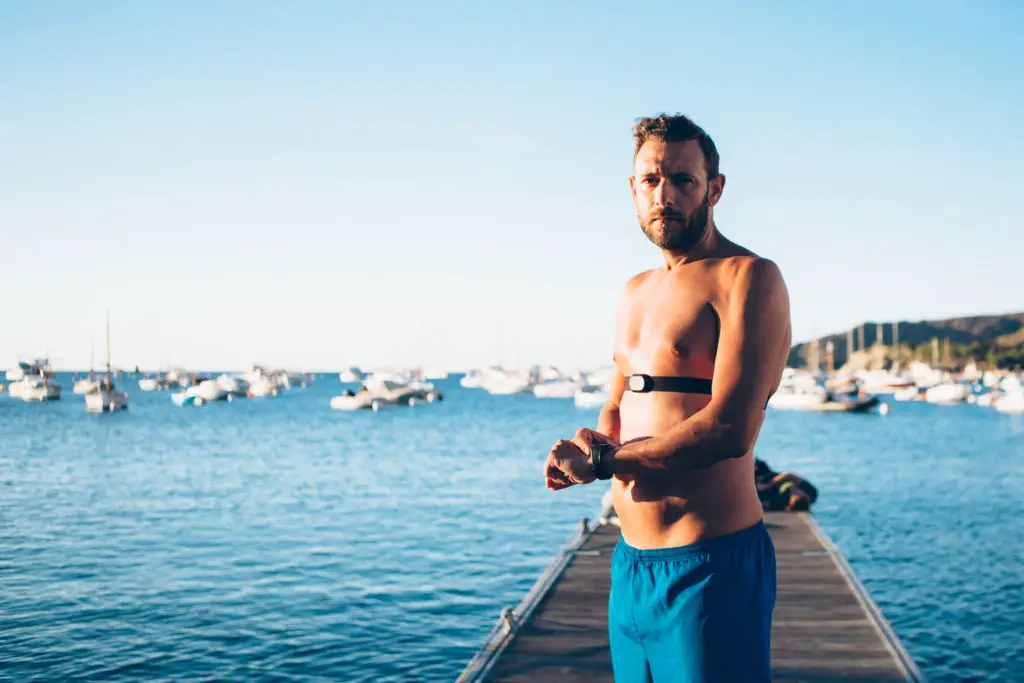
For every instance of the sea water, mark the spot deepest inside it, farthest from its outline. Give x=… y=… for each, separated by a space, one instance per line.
x=275 y=539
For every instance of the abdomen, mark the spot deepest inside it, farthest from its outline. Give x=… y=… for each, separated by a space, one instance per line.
x=664 y=509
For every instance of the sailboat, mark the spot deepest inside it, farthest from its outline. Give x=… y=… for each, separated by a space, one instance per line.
x=87 y=384
x=104 y=397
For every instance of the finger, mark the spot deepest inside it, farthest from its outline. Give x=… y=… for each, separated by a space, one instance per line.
x=554 y=472
x=586 y=438
x=566 y=450
x=555 y=483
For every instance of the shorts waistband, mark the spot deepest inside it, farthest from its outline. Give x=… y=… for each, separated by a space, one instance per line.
x=736 y=538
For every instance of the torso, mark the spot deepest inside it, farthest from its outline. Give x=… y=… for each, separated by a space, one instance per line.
x=668 y=325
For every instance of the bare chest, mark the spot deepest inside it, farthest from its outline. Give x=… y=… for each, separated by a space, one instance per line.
x=668 y=328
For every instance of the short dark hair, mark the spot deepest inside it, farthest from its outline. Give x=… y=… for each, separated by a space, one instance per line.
x=676 y=128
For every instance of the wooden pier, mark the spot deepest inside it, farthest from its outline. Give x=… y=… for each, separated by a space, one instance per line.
x=826 y=629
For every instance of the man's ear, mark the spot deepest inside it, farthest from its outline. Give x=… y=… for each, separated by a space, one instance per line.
x=716 y=186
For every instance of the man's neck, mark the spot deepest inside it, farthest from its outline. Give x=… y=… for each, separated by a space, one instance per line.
x=708 y=246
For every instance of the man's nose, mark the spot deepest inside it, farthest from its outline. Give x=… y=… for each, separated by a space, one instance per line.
x=664 y=194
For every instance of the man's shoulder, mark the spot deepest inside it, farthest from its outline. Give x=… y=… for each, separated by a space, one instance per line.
x=637 y=280
x=748 y=270
x=747 y=278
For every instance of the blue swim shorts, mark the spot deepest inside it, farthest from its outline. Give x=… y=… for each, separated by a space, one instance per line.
x=699 y=613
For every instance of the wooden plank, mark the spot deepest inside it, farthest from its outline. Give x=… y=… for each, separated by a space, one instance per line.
x=825 y=628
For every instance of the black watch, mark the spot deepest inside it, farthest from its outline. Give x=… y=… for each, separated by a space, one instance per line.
x=598 y=451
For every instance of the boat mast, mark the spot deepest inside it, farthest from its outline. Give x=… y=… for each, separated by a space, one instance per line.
x=110 y=382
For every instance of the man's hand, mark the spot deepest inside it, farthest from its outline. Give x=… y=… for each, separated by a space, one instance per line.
x=585 y=438
x=566 y=466
x=568 y=463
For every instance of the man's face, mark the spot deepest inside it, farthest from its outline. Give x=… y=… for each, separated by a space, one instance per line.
x=672 y=195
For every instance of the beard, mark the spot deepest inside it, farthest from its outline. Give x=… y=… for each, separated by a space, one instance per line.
x=673 y=231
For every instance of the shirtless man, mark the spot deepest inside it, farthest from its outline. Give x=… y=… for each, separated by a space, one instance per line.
x=700 y=346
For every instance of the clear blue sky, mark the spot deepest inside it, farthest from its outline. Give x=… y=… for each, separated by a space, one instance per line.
x=318 y=184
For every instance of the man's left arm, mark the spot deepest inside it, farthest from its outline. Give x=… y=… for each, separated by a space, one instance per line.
x=753 y=347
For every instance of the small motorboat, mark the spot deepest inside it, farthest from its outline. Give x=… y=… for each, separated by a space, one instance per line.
x=590 y=397
x=558 y=388
x=1012 y=402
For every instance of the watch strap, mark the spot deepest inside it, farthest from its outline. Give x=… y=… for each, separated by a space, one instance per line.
x=597 y=454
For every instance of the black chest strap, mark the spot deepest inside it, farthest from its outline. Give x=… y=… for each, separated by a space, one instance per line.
x=643 y=384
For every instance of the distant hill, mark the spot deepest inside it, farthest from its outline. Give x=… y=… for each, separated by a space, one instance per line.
x=979 y=337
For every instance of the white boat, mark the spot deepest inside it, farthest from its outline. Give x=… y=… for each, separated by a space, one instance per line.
x=287 y=380
x=1012 y=402
x=549 y=374
x=149 y=384
x=35 y=383
x=351 y=376
x=913 y=393
x=233 y=385
x=263 y=386
x=806 y=399
x=261 y=382
x=989 y=398
x=208 y=390
x=43 y=391
x=179 y=377
x=826 y=404
x=507 y=386
x=386 y=393
x=85 y=385
x=590 y=397
x=104 y=397
x=972 y=373
x=503 y=383
x=33 y=388
x=472 y=380
x=947 y=394
x=393 y=386
x=364 y=400
x=186 y=397
x=801 y=391
x=883 y=382
x=599 y=377
x=925 y=376
x=1010 y=384
x=559 y=388
x=798 y=390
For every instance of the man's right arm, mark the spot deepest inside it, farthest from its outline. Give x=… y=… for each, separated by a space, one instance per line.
x=608 y=422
